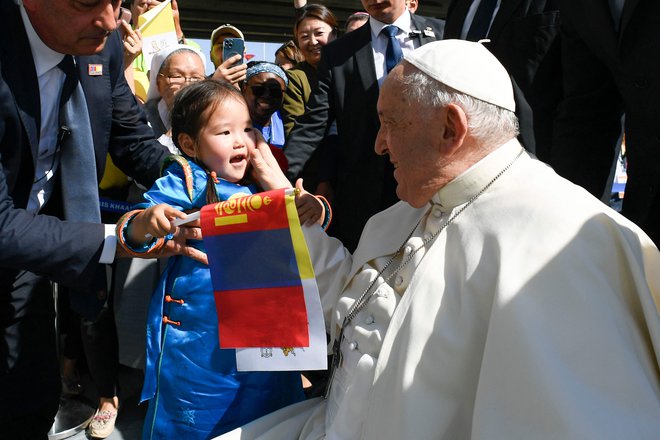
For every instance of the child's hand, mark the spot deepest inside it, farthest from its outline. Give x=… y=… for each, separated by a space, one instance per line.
x=155 y=221
x=310 y=209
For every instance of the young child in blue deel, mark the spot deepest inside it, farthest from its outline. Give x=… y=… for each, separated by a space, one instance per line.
x=192 y=386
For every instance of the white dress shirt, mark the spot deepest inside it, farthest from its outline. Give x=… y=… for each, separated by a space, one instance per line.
x=51 y=80
x=379 y=41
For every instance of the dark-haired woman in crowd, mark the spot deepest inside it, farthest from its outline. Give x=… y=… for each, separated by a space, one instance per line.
x=315 y=27
x=287 y=56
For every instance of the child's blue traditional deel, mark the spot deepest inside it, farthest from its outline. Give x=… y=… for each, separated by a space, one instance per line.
x=258 y=259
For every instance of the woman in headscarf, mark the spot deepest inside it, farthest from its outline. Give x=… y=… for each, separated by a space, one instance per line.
x=171 y=70
x=263 y=90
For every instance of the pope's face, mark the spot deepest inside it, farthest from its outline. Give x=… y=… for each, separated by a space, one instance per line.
x=409 y=139
x=79 y=27
x=385 y=11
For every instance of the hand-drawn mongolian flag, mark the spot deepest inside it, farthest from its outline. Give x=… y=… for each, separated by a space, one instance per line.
x=258 y=260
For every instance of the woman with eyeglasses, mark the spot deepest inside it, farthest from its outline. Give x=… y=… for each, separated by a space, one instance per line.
x=171 y=70
x=263 y=90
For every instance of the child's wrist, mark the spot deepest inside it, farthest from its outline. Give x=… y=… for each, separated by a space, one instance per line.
x=136 y=234
x=132 y=240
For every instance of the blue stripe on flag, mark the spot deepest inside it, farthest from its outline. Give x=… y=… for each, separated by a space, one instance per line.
x=232 y=260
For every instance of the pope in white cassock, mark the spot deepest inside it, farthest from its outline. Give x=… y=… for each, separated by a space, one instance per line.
x=497 y=300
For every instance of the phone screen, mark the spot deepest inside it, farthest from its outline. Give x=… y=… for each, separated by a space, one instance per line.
x=231 y=47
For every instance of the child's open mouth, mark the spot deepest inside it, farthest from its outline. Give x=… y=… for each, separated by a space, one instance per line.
x=238 y=159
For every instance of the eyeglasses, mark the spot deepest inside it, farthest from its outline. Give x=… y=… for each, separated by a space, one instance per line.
x=180 y=79
x=260 y=90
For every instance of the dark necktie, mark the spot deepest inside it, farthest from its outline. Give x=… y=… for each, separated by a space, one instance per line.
x=481 y=21
x=616 y=7
x=393 y=54
x=80 y=196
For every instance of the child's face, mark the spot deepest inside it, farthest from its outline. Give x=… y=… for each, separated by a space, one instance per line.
x=224 y=142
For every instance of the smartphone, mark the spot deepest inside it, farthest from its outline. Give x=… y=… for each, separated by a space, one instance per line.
x=124 y=14
x=231 y=47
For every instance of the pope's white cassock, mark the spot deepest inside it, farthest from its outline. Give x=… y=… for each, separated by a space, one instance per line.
x=533 y=315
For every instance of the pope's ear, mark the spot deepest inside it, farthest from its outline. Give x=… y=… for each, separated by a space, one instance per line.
x=187 y=144
x=455 y=126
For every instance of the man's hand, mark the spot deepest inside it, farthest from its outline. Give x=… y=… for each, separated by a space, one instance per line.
x=178 y=246
x=226 y=72
x=132 y=43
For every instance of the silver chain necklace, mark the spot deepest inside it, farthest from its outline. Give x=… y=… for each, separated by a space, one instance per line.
x=367 y=294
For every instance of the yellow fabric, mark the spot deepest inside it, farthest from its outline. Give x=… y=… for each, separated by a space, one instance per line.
x=113 y=177
x=141 y=82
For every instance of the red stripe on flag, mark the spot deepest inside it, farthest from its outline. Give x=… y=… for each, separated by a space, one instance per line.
x=272 y=317
x=260 y=211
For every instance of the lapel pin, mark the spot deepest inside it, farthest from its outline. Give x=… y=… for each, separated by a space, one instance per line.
x=95 y=69
x=428 y=32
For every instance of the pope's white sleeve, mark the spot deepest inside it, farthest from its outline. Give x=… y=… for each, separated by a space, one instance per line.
x=332 y=265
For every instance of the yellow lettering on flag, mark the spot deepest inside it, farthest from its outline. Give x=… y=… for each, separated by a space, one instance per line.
x=157 y=29
x=231 y=220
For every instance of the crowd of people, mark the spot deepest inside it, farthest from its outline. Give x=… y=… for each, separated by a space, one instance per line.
x=471 y=287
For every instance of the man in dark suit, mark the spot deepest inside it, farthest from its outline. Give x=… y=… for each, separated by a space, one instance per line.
x=350 y=72
x=524 y=36
x=611 y=68
x=37 y=248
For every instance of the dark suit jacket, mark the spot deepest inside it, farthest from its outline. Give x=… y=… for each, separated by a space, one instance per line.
x=65 y=252
x=524 y=38
x=605 y=75
x=348 y=92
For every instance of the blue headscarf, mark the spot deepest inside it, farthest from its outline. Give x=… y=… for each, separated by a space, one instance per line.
x=267 y=67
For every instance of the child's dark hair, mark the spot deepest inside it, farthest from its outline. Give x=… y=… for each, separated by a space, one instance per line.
x=191 y=111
